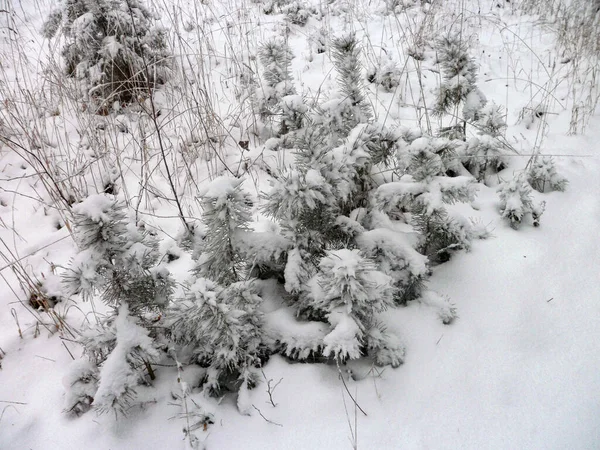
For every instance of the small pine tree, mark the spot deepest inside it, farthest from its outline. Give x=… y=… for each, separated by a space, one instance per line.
x=485 y=154
x=120 y=263
x=342 y=114
x=459 y=77
x=277 y=96
x=351 y=291
x=516 y=202
x=116 y=259
x=223 y=328
x=226 y=214
x=423 y=192
x=121 y=372
x=543 y=177
x=112 y=46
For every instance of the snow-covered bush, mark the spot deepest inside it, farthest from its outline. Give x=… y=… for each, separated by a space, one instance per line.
x=222 y=327
x=112 y=48
x=120 y=354
x=116 y=259
x=120 y=263
x=516 y=202
x=297 y=12
x=122 y=371
x=543 y=177
x=423 y=192
x=345 y=51
x=459 y=72
x=386 y=74
x=226 y=216
x=485 y=153
x=277 y=96
x=350 y=290
x=81 y=384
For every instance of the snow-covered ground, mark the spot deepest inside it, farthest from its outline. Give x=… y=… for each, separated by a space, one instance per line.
x=518 y=369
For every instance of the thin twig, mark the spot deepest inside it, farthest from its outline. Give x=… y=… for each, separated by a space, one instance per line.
x=348 y=391
x=269 y=421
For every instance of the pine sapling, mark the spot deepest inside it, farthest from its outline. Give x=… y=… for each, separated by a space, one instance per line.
x=123 y=369
x=352 y=291
x=485 y=154
x=112 y=47
x=543 y=177
x=223 y=328
x=516 y=202
x=226 y=214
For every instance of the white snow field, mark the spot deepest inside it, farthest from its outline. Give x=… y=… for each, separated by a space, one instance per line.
x=519 y=368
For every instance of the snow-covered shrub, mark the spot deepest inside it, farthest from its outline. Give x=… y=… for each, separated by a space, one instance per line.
x=318 y=40
x=543 y=177
x=485 y=153
x=459 y=72
x=396 y=256
x=222 y=326
x=293 y=111
x=350 y=290
x=122 y=371
x=81 y=384
x=423 y=192
x=297 y=12
x=112 y=47
x=277 y=95
x=120 y=354
x=116 y=259
x=345 y=51
x=386 y=74
x=120 y=263
x=516 y=202
x=446 y=311
x=459 y=75
x=226 y=216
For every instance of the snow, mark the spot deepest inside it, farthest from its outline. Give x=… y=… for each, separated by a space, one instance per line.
x=116 y=375
x=220 y=188
x=95 y=207
x=297 y=338
x=344 y=340
x=518 y=366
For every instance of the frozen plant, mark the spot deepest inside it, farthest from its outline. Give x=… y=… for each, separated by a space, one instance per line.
x=222 y=326
x=516 y=202
x=345 y=51
x=459 y=75
x=122 y=370
x=352 y=291
x=120 y=263
x=113 y=47
x=318 y=40
x=226 y=215
x=293 y=111
x=277 y=95
x=396 y=256
x=446 y=311
x=386 y=74
x=81 y=384
x=297 y=12
x=116 y=259
x=485 y=153
x=423 y=192
x=543 y=177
